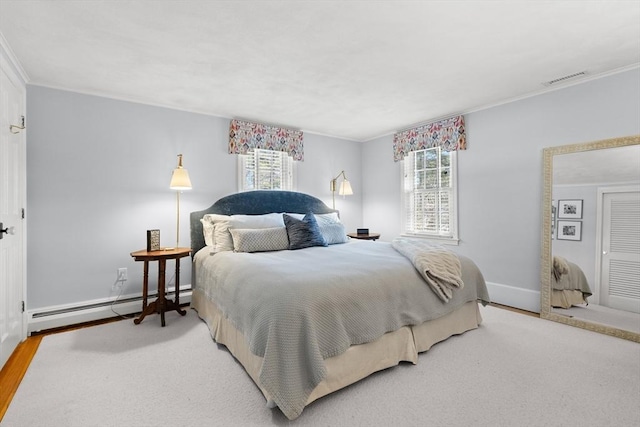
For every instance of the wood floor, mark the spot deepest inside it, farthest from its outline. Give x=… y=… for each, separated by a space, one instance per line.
x=17 y=365
x=14 y=370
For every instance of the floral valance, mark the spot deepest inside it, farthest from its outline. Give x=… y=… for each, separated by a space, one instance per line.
x=447 y=134
x=246 y=136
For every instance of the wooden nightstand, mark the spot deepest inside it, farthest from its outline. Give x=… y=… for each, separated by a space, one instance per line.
x=161 y=304
x=370 y=236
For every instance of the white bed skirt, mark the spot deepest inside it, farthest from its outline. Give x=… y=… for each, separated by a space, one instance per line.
x=359 y=361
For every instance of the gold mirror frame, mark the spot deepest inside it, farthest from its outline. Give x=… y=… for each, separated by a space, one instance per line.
x=545 y=280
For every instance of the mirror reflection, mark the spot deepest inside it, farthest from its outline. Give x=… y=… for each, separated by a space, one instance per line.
x=593 y=239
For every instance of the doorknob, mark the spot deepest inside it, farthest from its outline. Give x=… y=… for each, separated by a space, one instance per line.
x=8 y=230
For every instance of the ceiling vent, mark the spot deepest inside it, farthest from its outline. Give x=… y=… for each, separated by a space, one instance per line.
x=565 y=78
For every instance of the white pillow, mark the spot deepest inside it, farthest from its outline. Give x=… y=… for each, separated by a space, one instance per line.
x=329 y=218
x=333 y=233
x=259 y=239
x=207 y=230
x=222 y=240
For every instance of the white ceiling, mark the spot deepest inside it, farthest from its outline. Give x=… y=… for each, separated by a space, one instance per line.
x=352 y=69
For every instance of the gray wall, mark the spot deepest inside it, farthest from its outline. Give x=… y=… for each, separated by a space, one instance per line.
x=500 y=176
x=98 y=173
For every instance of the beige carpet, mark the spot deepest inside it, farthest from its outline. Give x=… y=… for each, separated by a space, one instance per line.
x=515 y=370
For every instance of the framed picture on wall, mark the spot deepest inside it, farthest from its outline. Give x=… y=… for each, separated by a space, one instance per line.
x=569 y=230
x=569 y=209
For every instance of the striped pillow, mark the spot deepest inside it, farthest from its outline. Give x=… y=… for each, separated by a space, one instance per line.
x=303 y=233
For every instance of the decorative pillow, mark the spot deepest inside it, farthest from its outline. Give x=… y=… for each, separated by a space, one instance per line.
x=259 y=239
x=333 y=233
x=222 y=240
x=330 y=227
x=303 y=233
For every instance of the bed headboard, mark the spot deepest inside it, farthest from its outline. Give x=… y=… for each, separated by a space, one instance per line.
x=256 y=203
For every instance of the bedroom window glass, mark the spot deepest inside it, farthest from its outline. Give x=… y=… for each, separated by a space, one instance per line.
x=429 y=194
x=266 y=170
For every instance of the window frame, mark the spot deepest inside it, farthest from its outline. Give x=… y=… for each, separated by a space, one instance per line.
x=452 y=237
x=243 y=165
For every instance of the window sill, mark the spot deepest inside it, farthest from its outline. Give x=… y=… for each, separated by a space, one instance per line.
x=444 y=240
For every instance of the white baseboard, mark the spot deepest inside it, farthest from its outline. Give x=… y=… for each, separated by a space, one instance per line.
x=524 y=299
x=44 y=318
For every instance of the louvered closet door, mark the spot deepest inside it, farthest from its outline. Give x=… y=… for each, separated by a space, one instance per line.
x=621 y=251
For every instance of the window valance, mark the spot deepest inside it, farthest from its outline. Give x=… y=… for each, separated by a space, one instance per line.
x=448 y=134
x=246 y=136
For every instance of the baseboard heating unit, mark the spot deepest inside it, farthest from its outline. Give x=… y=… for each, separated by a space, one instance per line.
x=45 y=318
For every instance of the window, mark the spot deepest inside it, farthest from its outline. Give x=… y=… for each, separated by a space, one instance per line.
x=429 y=194
x=265 y=170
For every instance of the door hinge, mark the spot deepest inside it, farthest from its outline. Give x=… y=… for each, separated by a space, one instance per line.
x=22 y=213
x=23 y=306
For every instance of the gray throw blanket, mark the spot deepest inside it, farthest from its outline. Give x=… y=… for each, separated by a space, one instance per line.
x=560 y=267
x=439 y=267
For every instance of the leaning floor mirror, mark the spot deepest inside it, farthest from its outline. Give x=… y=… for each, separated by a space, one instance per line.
x=590 y=262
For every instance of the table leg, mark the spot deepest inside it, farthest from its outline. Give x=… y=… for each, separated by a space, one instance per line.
x=177 y=287
x=161 y=305
x=177 y=303
x=145 y=285
x=145 y=289
x=161 y=301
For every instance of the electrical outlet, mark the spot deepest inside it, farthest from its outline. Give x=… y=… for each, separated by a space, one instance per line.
x=122 y=274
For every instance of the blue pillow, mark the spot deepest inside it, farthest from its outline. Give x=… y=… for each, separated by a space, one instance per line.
x=303 y=233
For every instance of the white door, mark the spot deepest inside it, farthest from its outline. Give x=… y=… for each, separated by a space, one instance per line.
x=620 y=280
x=12 y=189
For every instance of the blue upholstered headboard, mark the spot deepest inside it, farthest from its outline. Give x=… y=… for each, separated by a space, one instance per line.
x=256 y=203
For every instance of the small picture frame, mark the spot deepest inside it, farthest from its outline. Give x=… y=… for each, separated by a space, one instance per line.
x=153 y=240
x=569 y=209
x=570 y=230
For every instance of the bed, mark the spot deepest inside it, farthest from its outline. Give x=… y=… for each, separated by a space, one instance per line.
x=569 y=286
x=307 y=321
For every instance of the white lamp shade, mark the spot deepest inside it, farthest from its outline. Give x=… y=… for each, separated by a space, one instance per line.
x=180 y=179
x=345 y=188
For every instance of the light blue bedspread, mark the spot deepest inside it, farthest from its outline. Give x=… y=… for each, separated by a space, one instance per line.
x=296 y=308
